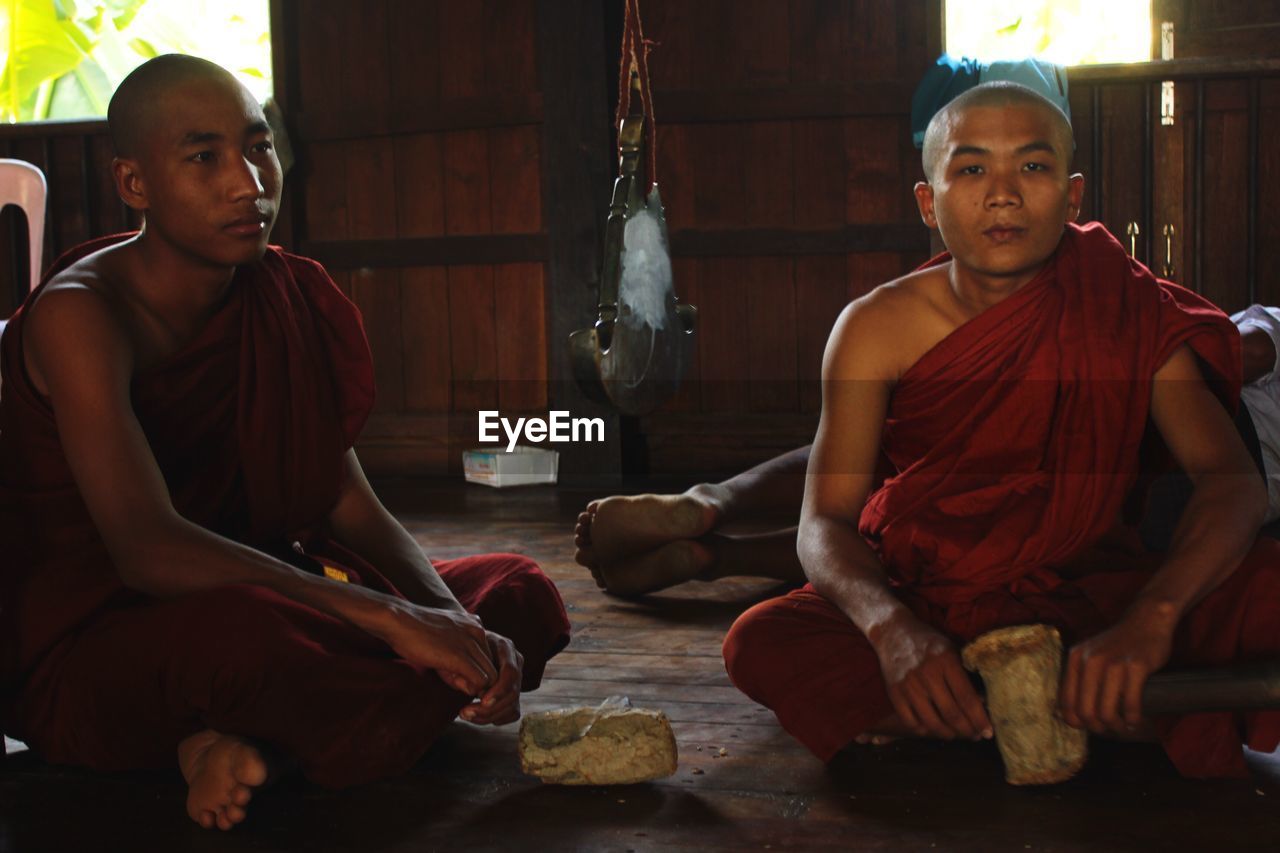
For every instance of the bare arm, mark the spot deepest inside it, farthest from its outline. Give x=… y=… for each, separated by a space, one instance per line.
x=360 y=522
x=1102 y=687
x=76 y=345
x=926 y=682
x=842 y=460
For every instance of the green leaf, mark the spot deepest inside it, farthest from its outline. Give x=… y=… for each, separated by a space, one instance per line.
x=35 y=46
x=71 y=98
x=78 y=33
x=124 y=11
x=1011 y=29
x=144 y=47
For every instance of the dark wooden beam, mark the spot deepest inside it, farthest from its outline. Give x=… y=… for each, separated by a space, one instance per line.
x=898 y=237
x=576 y=171
x=445 y=114
x=1173 y=69
x=428 y=251
x=284 y=89
x=518 y=248
x=513 y=249
x=284 y=52
x=866 y=98
x=52 y=128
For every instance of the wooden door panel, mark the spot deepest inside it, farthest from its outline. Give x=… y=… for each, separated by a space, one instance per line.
x=1120 y=171
x=1171 y=186
x=1224 y=215
x=1268 y=177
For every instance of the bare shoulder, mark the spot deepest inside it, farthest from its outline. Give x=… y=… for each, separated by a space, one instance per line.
x=84 y=283
x=881 y=334
x=77 y=317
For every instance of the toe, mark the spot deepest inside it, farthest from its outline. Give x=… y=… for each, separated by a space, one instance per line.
x=250 y=769
x=234 y=813
x=241 y=795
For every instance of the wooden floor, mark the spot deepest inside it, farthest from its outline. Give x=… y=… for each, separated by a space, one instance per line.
x=763 y=793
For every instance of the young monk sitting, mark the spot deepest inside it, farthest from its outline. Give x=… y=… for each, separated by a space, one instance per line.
x=196 y=567
x=1009 y=385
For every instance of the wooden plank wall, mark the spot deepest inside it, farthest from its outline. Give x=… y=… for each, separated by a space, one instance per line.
x=1239 y=28
x=785 y=163
x=1244 y=28
x=1117 y=190
x=418 y=124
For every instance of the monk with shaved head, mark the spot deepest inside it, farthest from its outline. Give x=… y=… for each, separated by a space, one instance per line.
x=981 y=429
x=199 y=573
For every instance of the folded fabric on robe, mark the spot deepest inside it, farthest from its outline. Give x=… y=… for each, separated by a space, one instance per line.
x=1015 y=443
x=248 y=423
x=1017 y=438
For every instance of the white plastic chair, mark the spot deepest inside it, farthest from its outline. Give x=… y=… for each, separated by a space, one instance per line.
x=23 y=184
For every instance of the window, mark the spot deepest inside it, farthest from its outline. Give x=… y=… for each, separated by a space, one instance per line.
x=62 y=59
x=1067 y=32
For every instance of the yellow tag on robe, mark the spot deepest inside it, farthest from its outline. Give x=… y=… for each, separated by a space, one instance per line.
x=336 y=574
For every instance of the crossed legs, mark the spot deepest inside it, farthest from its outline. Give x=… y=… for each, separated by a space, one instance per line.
x=642 y=543
x=231 y=677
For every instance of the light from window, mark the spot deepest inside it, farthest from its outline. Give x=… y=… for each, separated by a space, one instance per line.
x=68 y=56
x=1067 y=32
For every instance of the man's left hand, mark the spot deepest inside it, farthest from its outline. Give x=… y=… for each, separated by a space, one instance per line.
x=1102 y=687
x=499 y=704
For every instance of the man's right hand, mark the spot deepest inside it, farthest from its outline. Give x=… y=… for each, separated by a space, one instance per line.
x=452 y=643
x=928 y=686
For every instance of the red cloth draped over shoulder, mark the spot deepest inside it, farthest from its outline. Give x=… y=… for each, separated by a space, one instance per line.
x=1016 y=439
x=248 y=422
x=1013 y=444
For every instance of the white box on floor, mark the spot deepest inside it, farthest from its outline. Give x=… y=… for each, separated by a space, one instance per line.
x=523 y=466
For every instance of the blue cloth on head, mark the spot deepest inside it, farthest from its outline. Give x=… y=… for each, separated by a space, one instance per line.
x=951 y=76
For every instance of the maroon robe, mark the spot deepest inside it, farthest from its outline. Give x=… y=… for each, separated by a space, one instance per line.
x=1014 y=443
x=249 y=424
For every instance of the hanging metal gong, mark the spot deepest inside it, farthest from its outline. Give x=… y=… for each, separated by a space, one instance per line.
x=636 y=353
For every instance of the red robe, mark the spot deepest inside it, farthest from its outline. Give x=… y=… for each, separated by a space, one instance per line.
x=249 y=424
x=1015 y=442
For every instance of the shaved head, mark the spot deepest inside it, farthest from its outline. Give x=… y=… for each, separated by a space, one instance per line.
x=996 y=94
x=132 y=111
x=195 y=156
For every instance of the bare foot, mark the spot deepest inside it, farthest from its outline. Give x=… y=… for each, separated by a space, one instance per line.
x=221 y=772
x=626 y=526
x=584 y=553
x=673 y=563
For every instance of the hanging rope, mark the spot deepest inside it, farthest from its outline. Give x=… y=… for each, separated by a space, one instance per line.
x=635 y=54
